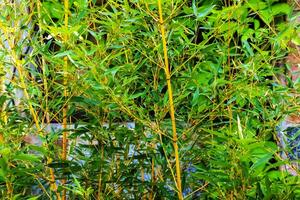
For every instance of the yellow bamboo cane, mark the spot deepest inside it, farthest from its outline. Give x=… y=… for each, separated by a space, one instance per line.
x=65 y=108
x=171 y=103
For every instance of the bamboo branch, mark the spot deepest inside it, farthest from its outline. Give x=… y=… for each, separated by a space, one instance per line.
x=171 y=103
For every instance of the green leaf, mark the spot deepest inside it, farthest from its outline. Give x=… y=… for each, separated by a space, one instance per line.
x=2 y=175
x=269 y=13
x=63 y=54
x=112 y=71
x=40 y=149
x=201 y=11
x=204 y=11
x=55 y=9
x=248 y=47
x=34 y=198
x=5 y=151
x=257 y=4
x=134 y=96
x=259 y=165
x=195 y=97
x=281 y=8
x=27 y=157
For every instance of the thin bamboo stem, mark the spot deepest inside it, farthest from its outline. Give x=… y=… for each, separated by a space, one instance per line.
x=229 y=63
x=3 y=114
x=99 y=196
x=153 y=178
x=64 y=153
x=9 y=189
x=143 y=178
x=142 y=175
x=171 y=102
x=45 y=85
x=18 y=65
x=65 y=108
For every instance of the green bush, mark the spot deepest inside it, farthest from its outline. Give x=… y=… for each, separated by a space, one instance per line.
x=105 y=65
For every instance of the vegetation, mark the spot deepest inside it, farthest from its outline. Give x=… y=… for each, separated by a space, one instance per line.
x=197 y=79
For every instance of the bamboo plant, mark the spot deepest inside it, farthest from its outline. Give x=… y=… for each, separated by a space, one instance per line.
x=145 y=99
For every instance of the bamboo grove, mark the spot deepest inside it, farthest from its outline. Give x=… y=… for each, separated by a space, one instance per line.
x=146 y=99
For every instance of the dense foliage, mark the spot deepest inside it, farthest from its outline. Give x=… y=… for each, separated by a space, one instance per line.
x=105 y=66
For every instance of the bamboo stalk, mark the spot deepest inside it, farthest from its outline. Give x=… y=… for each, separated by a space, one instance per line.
x=171 y=103
x=3 y=113
x=229 y=63
x=153 y=178
x=65 y=108
x=64 y=153
x=9 y=189
x=143 y=178
x=99 y=196
x=45 y=85
x=142 y=175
